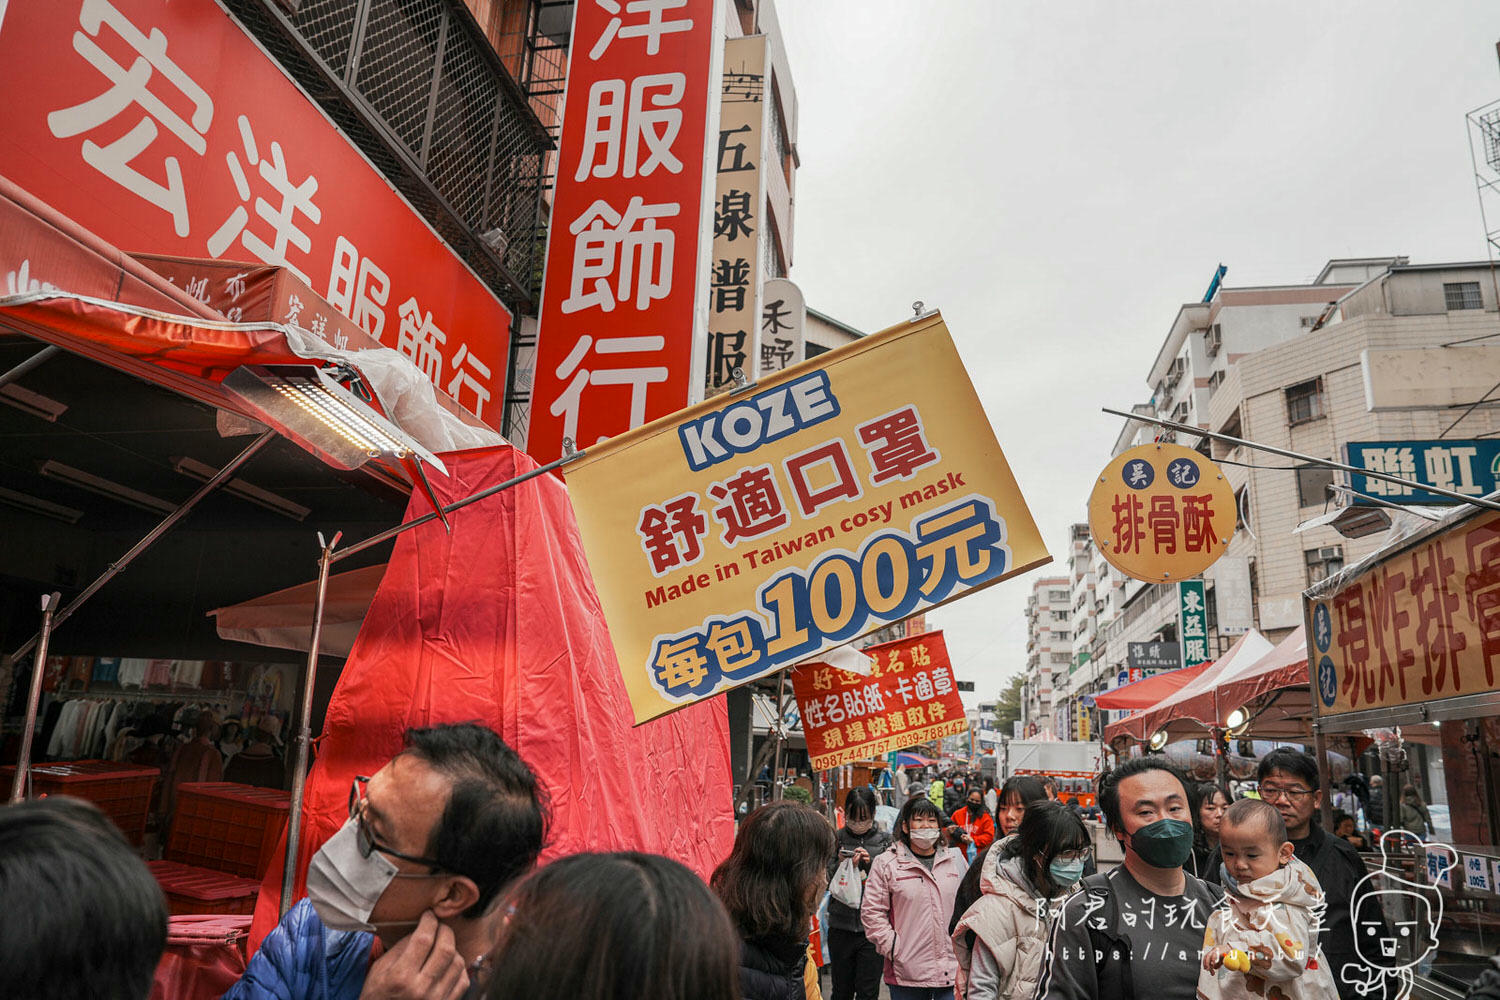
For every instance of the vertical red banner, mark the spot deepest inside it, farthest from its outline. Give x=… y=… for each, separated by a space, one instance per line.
x=622 y=330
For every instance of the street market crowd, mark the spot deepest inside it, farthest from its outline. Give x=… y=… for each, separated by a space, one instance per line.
x=430 y=889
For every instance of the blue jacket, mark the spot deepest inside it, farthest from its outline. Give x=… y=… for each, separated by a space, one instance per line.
x=303 y=960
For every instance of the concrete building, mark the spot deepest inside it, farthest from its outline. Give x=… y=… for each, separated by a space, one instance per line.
x=1367 y=352
x=1049 y=650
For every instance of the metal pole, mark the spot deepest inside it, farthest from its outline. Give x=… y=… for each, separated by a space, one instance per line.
x=145 y=543
x=304 y=728
x=30 y=364
x=386 y=535
x=1326 y=463
x=780 y=734
x=34 y=696
x=1325 y=767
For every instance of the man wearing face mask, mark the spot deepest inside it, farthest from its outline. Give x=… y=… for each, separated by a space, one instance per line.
x=1137 y=930
x=432 y=838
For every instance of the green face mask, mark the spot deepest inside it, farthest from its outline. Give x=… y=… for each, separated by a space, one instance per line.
x=1167 y=843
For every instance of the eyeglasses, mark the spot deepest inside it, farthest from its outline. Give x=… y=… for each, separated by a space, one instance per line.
x=1271 y=793
x=1068 y=857
x=365 y=837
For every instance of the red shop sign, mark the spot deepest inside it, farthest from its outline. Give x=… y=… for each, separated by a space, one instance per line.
x=910 y=697
x=622 y=336
x=163 y=127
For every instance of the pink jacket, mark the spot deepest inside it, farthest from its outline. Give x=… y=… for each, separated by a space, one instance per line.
x=906 y=911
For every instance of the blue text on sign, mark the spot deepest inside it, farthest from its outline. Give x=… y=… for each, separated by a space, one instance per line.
x=743 y=426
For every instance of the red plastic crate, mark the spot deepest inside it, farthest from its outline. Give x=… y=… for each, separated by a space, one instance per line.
x=202 y=890
x=121 y=791
x=227 y=827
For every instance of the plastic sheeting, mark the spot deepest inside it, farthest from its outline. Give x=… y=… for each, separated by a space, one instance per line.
x=204 y=956
x=499 y=622
x=283 y=619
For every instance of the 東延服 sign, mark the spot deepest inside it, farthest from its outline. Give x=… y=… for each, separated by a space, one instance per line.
x=1161 y=512
x=1422 y=623
x=1192 y=622
x=1470 y=467
x=757 y=530
x=910 y=697
x=1153 y=656
x=622 y=331
x=164 y=128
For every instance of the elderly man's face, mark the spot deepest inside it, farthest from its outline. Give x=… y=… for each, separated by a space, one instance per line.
x=403 y=803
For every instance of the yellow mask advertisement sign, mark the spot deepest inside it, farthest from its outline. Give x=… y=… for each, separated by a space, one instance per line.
x=756 y=530
x=1162 y=512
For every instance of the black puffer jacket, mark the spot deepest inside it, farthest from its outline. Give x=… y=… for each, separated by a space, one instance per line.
x=875 y=841
x=771 y=969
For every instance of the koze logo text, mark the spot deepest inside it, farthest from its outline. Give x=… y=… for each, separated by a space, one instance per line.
x=768 y=416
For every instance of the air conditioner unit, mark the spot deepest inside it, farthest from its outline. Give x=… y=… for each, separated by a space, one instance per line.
x=1330 y=552
x=1213 y=340
x=1180 y=412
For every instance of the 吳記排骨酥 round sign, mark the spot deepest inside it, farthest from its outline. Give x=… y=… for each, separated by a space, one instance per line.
x=1162 y=512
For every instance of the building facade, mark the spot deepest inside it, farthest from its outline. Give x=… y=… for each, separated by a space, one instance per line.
x=1049 y=651
x=1304 y=368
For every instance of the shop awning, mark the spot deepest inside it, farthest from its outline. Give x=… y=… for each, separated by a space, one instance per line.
x=1148 y=691
x=284 y=619
x=1283 y=667
x=1185 y=713
x=67 y=287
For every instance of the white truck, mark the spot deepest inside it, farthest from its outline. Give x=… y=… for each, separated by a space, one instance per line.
x=1073 y=764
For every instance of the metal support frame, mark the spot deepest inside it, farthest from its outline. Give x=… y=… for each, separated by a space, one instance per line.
x=1189 y=429
x=34 y=697
x=167 y=523
x=330 y=554
x=776 y=789
x=51 y=621
x=30 y=364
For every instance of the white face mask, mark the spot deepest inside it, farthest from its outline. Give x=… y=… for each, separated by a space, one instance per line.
x=343 y=885
x=924 y=838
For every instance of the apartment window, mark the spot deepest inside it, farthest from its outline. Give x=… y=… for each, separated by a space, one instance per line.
x=1323 y=562
x=1304 y=401
x=1462 y=295
x=1061 y=637
x=1216 y=379
x=1213 y=340
x=1059 y=616
x=1308 y=322
x=1063 y=658
x=1312 y=485
x=1057 y=595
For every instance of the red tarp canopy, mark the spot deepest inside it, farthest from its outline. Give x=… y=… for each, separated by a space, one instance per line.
x=1175 y=713
x=1281 y=668
x=1148 y=691
x=499 y=622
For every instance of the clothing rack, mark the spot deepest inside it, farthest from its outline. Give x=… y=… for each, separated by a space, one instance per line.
x=188 y=695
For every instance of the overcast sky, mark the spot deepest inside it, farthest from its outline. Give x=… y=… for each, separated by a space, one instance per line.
x=1059 y=178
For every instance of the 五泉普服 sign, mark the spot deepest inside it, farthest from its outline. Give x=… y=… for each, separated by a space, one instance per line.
x=755 y=531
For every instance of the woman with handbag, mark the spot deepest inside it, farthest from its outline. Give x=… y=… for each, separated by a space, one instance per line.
x=853 y=961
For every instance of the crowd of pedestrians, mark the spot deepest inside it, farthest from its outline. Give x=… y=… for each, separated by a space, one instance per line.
x=430 y=889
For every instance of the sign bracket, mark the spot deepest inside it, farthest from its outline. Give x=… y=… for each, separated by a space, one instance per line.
x=1173 y=425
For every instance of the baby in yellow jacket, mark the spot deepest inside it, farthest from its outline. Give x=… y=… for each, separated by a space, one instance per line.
x=1262 y=942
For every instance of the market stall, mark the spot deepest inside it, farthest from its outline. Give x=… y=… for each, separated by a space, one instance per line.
x=1408 y=642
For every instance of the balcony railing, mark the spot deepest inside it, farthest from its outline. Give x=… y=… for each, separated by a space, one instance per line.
x=417 y=86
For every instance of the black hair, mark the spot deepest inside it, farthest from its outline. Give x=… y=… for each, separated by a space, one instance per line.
x=495 y=822
x=1109 y=786
x=1339 y=816
x=916 y=808
x=83 y=916
x=775 y=872
x=1247 y=812
x=1030 y=789
x=1048 y=829
x=628 y=926
x=1297 y=763
x=860 y=803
